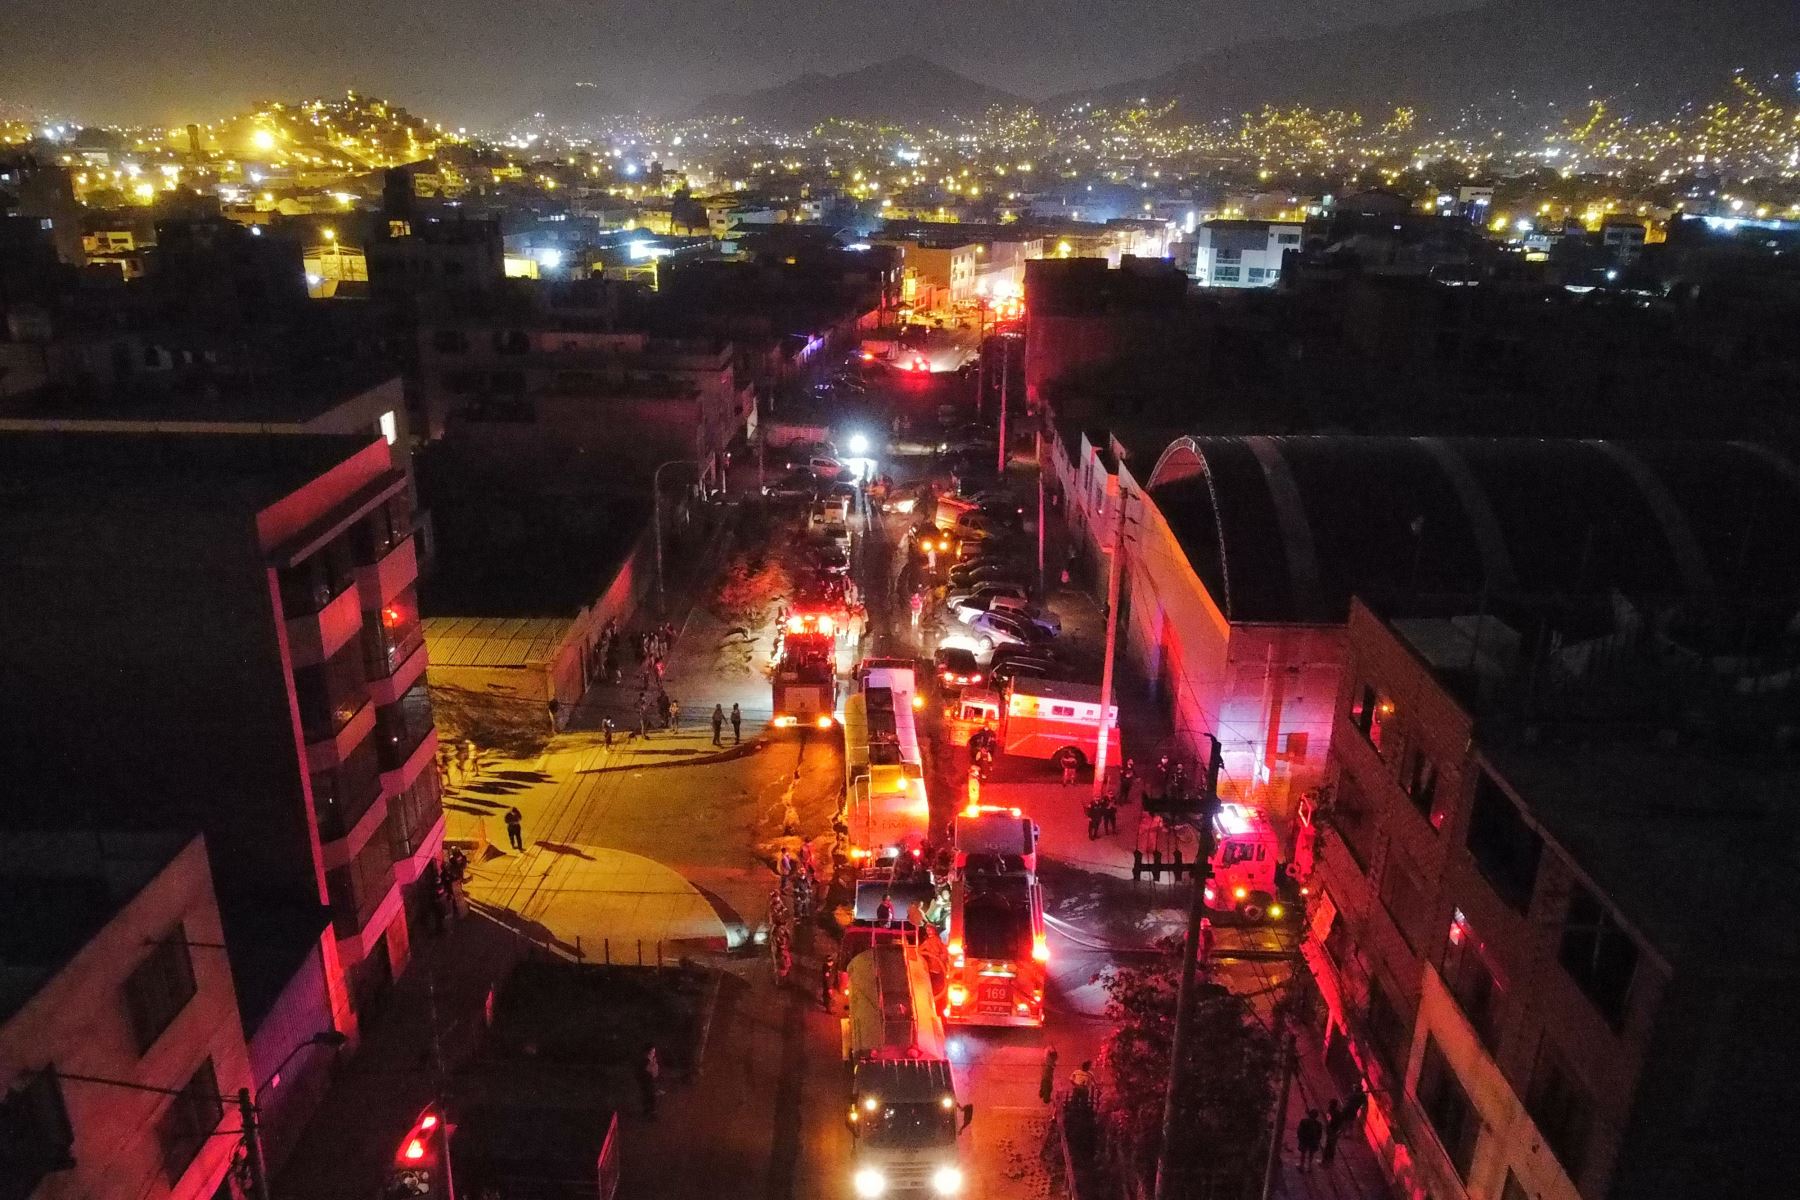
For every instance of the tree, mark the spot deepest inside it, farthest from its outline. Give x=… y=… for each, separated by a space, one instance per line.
x=1227 y=1092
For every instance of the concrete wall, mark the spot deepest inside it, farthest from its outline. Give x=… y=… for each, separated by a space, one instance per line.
x=79 y=1022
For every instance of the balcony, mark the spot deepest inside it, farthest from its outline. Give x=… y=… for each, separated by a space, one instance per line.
x=381 y=581
x=328 y=751
x=315 y=636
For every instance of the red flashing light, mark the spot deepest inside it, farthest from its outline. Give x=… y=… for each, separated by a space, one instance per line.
x=428 y=1122
x=415 y=1150
x=391 y=616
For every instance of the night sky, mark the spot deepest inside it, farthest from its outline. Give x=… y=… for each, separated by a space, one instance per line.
x=471 y=61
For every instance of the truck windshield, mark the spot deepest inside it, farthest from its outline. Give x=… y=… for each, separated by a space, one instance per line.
x=914 y=1123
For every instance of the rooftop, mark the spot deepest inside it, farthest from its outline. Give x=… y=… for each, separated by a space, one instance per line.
x=192 y=469
x=60 y=888
x=1287 y=529
x=278 y=398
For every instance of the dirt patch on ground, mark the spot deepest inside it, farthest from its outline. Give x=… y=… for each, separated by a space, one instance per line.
x=582 y=1014
x=517 y=728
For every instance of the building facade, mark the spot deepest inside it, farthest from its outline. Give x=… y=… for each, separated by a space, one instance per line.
x=121 y=1048
x=1510 y=931
x=1242 y=254
x=246 y=607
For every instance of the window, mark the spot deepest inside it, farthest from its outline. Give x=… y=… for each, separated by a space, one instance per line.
x=331 y=693
x=1256 y=274
x=357 y=889
x=1296 y=747
x=343 y=794
x=402 y=725
x=1598 y=955
x=188 y=1121
x=1288 y=239
x=390 y=427
x=413 y=813
x=1560 y=1106
x=1418 y=779
x=1446 y=1105
x=1372 y=713
x=1230 y=254
x=1504 y=847
x=1226 y=273
x=308 y=586
x=160 y=987
x=1467 y=975
x=1404 y=898
x=1349 y=814
x=1389 y=1030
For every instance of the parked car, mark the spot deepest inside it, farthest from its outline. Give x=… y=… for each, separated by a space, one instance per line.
x=1042 y=652
x=956 y=668
x=992 y=629
x=1009 y=603
x=964 y=603
x=831 y=558
x=966 y=577
x=799 y=484
x=1020 y=668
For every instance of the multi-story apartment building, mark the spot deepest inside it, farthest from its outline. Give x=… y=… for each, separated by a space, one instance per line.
x=221 y=631
x=532 y=379
x=1552 y=915
x=1242 y=254
x=120 y=1043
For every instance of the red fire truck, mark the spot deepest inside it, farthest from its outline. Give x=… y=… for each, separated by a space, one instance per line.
x=1245 y=864
x=805 y=676
x=998 y=951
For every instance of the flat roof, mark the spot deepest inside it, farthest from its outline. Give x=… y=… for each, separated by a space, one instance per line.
x=60 y=888
x=259 y=398
x=172 y=468
x=494 y=641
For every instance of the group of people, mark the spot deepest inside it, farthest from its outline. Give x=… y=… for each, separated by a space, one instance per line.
x=793 y=900
x=458 y=762
x=1103 y=814
x=1317 y=1134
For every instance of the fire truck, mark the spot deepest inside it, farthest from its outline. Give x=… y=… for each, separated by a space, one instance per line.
x=805 y=674
x=998 y=952
x=1246 y=864
x=1035 y=718
x=903 y=1114
x=885 y=814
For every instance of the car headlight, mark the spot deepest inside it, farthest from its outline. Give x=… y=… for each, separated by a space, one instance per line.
x=947 y=1181
x=870 y=1182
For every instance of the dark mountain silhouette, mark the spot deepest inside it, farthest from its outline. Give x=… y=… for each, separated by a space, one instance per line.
x=904 y=90
x=1653 y=54
x=576 y=104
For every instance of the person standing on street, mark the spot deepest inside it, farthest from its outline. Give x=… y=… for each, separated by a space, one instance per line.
x=674 y=716
x=827 y=981
x=1068 y=760
x=1093 y=816
x=737 y=724
x=1109 y=811
x=1127 y=777
x=718 y=724
x=1047 y=1080
x=1307 y=1135
x=648 y=1071
x=515 y=829
x=1334 y=1128
x=606 y=730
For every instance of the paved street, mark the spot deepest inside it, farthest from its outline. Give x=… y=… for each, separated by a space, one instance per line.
x=658 y=849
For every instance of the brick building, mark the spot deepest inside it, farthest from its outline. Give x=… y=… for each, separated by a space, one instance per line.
x=1552 y=916
x=220 y=631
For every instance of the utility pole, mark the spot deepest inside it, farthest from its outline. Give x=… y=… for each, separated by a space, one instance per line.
x=1273 y=1162
x=1199 y=876
x=1005 y=362
x=1114 y=571
x=656 y=519
x=253 y=1147
x=1043 y=588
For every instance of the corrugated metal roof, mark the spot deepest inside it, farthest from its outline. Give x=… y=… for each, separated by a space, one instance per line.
x=494 y=641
